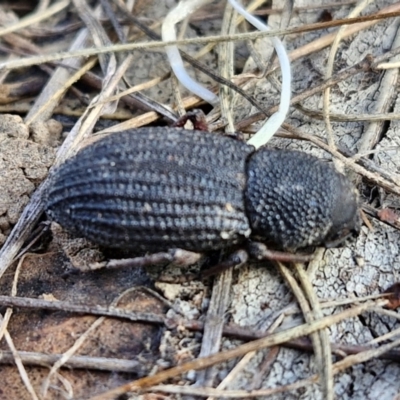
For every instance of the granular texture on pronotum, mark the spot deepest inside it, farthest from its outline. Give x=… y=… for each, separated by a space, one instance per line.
x=154 y=189
x=296 y=200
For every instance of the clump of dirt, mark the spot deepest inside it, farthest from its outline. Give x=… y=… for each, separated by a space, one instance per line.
x=26 y=154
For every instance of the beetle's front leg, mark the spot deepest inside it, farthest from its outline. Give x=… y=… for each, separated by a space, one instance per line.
x=179 y=257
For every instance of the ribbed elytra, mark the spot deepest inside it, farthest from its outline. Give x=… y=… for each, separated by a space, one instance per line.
x=153 y=189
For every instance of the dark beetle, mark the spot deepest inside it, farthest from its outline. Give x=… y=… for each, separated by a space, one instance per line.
x=154 y=189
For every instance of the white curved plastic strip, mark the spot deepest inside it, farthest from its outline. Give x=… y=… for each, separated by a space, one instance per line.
x=180 y=12
x=268 y=130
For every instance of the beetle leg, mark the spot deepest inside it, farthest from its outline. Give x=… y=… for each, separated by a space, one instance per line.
x=199 y=121
x=178 y=257
x=260 y=251
x=235 y=259
x=196 y=117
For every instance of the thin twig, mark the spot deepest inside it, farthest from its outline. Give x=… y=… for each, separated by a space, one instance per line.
x=389 y=12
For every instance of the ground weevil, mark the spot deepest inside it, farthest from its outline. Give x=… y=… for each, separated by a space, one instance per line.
x=156 y=189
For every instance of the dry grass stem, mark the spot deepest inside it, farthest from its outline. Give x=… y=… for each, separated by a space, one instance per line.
x=392 y=11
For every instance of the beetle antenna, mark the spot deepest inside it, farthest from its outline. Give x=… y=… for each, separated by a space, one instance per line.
x=168 y=33
x=268 y=130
